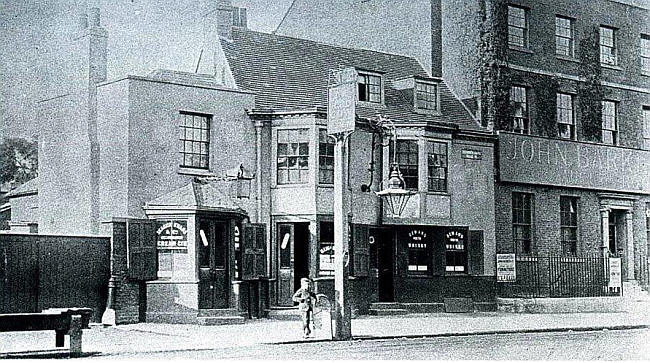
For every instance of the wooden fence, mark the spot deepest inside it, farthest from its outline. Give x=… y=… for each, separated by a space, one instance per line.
x=39 y=272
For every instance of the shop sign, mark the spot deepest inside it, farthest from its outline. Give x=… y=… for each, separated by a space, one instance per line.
x=327 y=258
x=614 y=272
x=341 y=108
x=538 y=160
x=506 y=267
x=171 y=235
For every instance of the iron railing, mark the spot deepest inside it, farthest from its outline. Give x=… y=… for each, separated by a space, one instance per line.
x=559 y=276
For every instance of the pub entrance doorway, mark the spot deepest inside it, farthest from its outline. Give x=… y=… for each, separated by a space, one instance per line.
x=383 y=238
x=293 y=258
x=214 y=282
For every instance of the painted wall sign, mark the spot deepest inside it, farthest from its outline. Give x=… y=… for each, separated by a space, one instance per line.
x=171 y=234
x=506 y=267
x=615 y=272
x=537 y=160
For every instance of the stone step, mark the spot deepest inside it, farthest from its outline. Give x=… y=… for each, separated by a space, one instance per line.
x=219 y=313
x=220 y=320
x=387 y=312
x=386 y=305
x=420 y=308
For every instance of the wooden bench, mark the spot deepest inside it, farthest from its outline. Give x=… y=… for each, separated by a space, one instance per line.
x=63 y=321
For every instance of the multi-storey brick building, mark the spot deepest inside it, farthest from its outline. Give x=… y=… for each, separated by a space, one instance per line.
x=565 y=86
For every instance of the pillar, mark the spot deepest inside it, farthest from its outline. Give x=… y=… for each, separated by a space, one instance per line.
x=604 y=218
x=629 y=232
x=342 y=318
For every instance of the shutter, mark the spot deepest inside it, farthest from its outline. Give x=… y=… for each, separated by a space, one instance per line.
x=254 y=251
x=360 y=250
x=475 y=242
x=142 y=255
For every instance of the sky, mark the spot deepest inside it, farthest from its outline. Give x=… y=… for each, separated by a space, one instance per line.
x=143 y=35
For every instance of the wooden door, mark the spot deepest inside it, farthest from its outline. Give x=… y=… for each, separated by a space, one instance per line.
x=385 y=266
x=285 y=242
x=213 y=245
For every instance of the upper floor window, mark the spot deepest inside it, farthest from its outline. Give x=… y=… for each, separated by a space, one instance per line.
x=569 y=225
x=293 y=156
x=565 y=116
x=519 y=106
x=195 y=139
x=608 y=45
x=517 y=26
x=522 y=222
x=437 y=163
x=646 y=128
x=426 y=96
x=239 y=17
x=564 y=36
x=407 y=158
x=645 y=54
x=325 y=158
x=369 y=88
x=609 y=124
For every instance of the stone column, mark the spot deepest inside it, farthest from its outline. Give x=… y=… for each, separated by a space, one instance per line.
x=604 y=218
x=629 y=232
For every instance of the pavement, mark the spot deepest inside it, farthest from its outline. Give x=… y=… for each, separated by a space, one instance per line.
x=155 y=338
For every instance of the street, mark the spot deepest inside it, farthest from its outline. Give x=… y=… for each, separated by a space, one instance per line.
x=593 y=345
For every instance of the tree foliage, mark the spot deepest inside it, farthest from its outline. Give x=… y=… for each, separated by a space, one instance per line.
x=18 y=160
x=591 y=91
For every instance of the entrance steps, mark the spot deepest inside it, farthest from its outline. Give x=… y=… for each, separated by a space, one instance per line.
x=220 y=317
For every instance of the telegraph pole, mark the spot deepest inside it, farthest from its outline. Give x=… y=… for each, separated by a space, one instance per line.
x=342 y=320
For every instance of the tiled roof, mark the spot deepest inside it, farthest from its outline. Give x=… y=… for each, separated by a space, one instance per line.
x=186 y=78
x=289 y=73
x=200 y=195
x=29 y=187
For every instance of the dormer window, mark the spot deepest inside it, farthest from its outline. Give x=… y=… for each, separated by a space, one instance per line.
x=239 y=17
x=426 y=96
x=369 y=87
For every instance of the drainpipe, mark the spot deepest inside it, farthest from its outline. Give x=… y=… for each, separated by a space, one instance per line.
x=258 y=170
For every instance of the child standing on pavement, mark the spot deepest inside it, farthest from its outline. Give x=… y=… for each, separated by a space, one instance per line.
x=306 y=299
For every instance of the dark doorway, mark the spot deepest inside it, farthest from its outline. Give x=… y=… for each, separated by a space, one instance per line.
x=293 y=245
x=385 y=267
x=616 y=227
x=212 y=243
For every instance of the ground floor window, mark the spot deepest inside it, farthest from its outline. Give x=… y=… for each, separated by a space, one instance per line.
x=569 y=225
x=326 y=248
x=455 y=252
x=522 y=221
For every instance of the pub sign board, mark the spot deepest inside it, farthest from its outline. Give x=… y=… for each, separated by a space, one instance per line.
x=538 y=160
x=341 y=101
x=171 y=234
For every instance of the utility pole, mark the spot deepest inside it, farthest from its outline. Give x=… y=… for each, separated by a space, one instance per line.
x=342 y=320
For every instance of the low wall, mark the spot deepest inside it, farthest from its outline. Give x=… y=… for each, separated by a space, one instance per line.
x=613 y=304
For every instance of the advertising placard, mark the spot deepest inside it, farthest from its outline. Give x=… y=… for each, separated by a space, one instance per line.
x=171 y=234
x=615 y=272
x=506 y=267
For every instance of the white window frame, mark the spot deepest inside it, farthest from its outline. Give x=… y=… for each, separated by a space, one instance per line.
x=436 y=96
x=610 y=59
x=644 y=53
x=609 y=117
x=308 y=155
x=512 y=25
x=559 y=29
x=565 y=116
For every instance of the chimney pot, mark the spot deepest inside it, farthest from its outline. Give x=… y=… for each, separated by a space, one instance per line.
x=94 y=17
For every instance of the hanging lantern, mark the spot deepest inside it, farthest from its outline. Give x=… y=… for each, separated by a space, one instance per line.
x=242 y=181
x=395 y=196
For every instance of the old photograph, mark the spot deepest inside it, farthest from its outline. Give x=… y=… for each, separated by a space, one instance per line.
x=325 y=179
